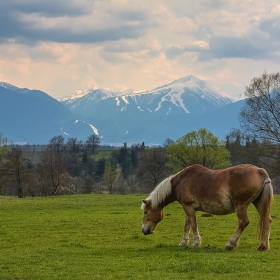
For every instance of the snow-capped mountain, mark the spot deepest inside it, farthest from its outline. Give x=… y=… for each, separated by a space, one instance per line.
x=117 y=116
x=93 y=95
x=168 y=111
x=185 y=95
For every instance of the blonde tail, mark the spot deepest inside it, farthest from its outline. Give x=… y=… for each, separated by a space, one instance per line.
x=264 y=206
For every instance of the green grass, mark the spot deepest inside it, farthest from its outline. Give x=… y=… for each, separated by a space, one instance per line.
x=99 y=237
x=102 y=154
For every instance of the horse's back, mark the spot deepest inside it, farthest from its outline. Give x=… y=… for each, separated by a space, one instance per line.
x=218 y=191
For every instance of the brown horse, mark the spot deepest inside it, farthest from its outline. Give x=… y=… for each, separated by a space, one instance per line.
x=218 y=192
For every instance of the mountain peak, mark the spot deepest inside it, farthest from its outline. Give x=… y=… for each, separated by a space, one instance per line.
x=194 y=84
x=186 y=79
x=191 y=82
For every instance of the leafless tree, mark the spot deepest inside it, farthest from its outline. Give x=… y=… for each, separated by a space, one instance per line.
x=51 y=170
x=74 y=145
x=18 y=168
x=152 y=167
x=92 y=142
x=260 y=118
x=3 y=152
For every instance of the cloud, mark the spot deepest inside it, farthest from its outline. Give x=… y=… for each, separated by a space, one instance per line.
x=26 y=22
x=271 y=27
x=136 y=44
x=198 y=46
x=50 y=8
x=233 y=47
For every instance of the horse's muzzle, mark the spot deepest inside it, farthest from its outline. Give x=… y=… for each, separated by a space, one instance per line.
x=146 y=230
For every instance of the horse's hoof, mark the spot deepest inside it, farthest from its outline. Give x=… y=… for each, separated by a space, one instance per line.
x=229 y=248
x=182 y=244
x=262 y=248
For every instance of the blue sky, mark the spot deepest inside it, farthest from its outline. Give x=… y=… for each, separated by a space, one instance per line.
x=61 y=46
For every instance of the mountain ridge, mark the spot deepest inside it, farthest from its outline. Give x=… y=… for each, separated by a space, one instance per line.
x=118 y=116
x=189 y=94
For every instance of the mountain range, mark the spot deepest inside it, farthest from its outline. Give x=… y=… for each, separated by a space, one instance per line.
x=118 y=116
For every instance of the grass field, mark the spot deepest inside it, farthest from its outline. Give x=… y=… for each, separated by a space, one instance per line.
x=99 y=237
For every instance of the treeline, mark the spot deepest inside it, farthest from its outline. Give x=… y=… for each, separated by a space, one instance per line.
x=74 y=166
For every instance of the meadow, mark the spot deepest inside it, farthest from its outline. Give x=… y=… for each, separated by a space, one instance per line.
x=99 y=237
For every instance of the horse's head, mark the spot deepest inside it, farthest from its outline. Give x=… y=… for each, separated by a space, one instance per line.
x=151 y=217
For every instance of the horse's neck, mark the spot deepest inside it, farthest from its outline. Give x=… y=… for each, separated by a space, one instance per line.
x=169 y=199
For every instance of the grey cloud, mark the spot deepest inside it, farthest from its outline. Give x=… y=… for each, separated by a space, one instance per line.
x=185 y=8
x=250 y=47
x=233 y=47
x=228 y=47
x=174 y=51
x=50 y=8
x=12 y=26
x=272 y=27
x=91 y=36
x=133 y=15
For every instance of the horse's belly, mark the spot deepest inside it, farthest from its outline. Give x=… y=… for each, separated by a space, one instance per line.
x=222 y=207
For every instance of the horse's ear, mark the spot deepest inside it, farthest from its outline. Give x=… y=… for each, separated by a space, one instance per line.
x=147 y=202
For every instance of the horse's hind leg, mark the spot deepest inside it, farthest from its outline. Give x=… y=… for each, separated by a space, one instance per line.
x=243 y=221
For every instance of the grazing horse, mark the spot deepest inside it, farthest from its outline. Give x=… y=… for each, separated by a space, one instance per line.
x=218 y=192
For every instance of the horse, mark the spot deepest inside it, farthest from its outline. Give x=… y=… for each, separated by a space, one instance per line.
x=217 y=192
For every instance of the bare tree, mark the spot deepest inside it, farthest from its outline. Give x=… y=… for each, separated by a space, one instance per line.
x=261 y=115
x=51 y=171
x=18 y=168
x=167 y=142
x=3 y=168
x=74 y=145
x=93 y=142
x=260 y=118
x=152 y=167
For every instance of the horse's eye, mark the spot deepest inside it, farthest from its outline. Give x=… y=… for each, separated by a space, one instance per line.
x=145 y=212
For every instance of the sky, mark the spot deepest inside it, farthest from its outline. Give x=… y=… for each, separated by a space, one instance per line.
x=61 y=46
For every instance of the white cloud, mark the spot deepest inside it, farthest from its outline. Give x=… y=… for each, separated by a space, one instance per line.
x=60 y=46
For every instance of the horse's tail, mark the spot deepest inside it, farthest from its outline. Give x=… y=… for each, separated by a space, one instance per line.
x=263 y=205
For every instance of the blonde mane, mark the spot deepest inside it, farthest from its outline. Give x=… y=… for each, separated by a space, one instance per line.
x=161 y=191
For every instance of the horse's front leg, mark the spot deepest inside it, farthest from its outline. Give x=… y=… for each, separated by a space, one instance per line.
x=191 y=221
x=185 y=239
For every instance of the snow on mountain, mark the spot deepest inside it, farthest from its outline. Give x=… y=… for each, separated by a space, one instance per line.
x=93 y=94
x=74 y=95
x=187 y=95
x=200 y=88
x=118 y=116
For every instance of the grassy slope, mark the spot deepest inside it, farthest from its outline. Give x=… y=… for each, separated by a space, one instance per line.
x=99 y=237
x=101 y=154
